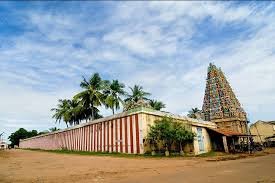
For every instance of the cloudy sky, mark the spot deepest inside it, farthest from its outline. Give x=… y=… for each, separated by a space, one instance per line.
x=46 y=48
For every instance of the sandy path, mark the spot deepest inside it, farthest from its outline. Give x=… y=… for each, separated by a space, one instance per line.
x=30 y=166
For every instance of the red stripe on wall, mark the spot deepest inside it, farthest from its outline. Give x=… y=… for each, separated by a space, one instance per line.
x=108 y=123
x=74 y=139
x=137 y=133
x=85 y=138
x=98 y=148
x=112 y=136
x=69 y=140
x=94 y=131
x=120 y=127
x=104 y=127
x=89 y=138
x=81 y=139
x=131 y=134
x=78 y=139
x=116 y=123
x=126 y=135
x=101 y=138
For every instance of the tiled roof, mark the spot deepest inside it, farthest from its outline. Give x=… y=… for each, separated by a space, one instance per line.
x=227 y=132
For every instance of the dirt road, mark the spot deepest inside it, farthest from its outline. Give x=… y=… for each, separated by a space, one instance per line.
x=31 y=166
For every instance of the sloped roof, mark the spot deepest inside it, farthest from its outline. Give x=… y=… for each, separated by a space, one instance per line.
x=227 y=132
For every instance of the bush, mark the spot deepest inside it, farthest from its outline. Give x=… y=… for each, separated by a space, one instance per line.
x=167 y=132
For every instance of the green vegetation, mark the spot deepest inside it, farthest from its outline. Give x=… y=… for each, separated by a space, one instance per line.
x=167 y=132
x=137 y=94
x=113 y=93
x=96 y=93
x=21 y=134
x=192 y=113
x=157 y=105
x=87 y=153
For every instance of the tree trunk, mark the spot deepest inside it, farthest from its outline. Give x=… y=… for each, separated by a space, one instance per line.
x=167 y=151
x=113 y=110
x=181 y=151
x=67 y=125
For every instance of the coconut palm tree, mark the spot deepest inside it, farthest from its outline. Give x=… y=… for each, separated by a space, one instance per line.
x=53 y=129
x=69 y=111
x=113 y=92
x=92 y=96
x=157 y=105
x=61 y=111
x=137 y=94
x=192 y=113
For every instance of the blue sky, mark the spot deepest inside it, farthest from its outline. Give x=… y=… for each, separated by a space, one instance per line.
x=46 y=48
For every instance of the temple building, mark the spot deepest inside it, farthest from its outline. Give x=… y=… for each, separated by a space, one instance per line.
x=220 y=104
x=125 y=132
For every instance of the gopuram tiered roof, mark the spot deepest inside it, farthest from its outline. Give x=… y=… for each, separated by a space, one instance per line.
x=220 y=104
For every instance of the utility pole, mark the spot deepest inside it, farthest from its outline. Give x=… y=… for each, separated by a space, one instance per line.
x=248 y=135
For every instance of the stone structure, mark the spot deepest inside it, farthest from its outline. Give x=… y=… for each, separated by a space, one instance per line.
x=220 y=104
x=261 y=130
x=123 y=133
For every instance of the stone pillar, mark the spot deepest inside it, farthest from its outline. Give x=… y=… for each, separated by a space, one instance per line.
x=225 y=144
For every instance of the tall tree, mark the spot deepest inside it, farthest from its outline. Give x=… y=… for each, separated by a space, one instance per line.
x=70 y=111
x=192 y=113
x=157 y=105
x=113 y=92
x=61 y=112
x=21 y=134
x=181 y=135
x=53 y=129
x=137 y=94
x=92 y=95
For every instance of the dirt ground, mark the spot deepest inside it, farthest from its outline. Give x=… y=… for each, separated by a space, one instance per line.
x=43 y=167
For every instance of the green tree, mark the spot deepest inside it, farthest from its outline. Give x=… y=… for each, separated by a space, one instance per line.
x=181 y=135
x=113 y=93
x=157 y=105
x=192 y=113
x=137 y=94
x=92 y=96
x=167 y=131
x=162 y=131
x=21 y=134
x=61 y=112
x=53 y=129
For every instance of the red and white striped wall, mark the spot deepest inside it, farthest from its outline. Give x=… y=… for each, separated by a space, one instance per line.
x=122 y=134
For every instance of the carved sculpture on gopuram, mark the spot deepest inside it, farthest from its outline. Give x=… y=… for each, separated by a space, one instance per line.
x=220 y=104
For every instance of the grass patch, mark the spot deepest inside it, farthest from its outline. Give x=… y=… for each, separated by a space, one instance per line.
x=210 y=156
x=87 y=153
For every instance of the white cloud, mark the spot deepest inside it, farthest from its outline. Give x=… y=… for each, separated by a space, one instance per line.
x=163 y=46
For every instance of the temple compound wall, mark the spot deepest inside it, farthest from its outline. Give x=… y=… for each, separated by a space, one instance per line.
x=122 y=133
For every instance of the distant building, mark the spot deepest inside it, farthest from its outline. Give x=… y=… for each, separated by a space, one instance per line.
x=3 y=144
x=263 y=130
x=220 y=104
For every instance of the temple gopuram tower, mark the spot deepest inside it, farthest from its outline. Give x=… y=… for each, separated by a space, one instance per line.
x=220 y=104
